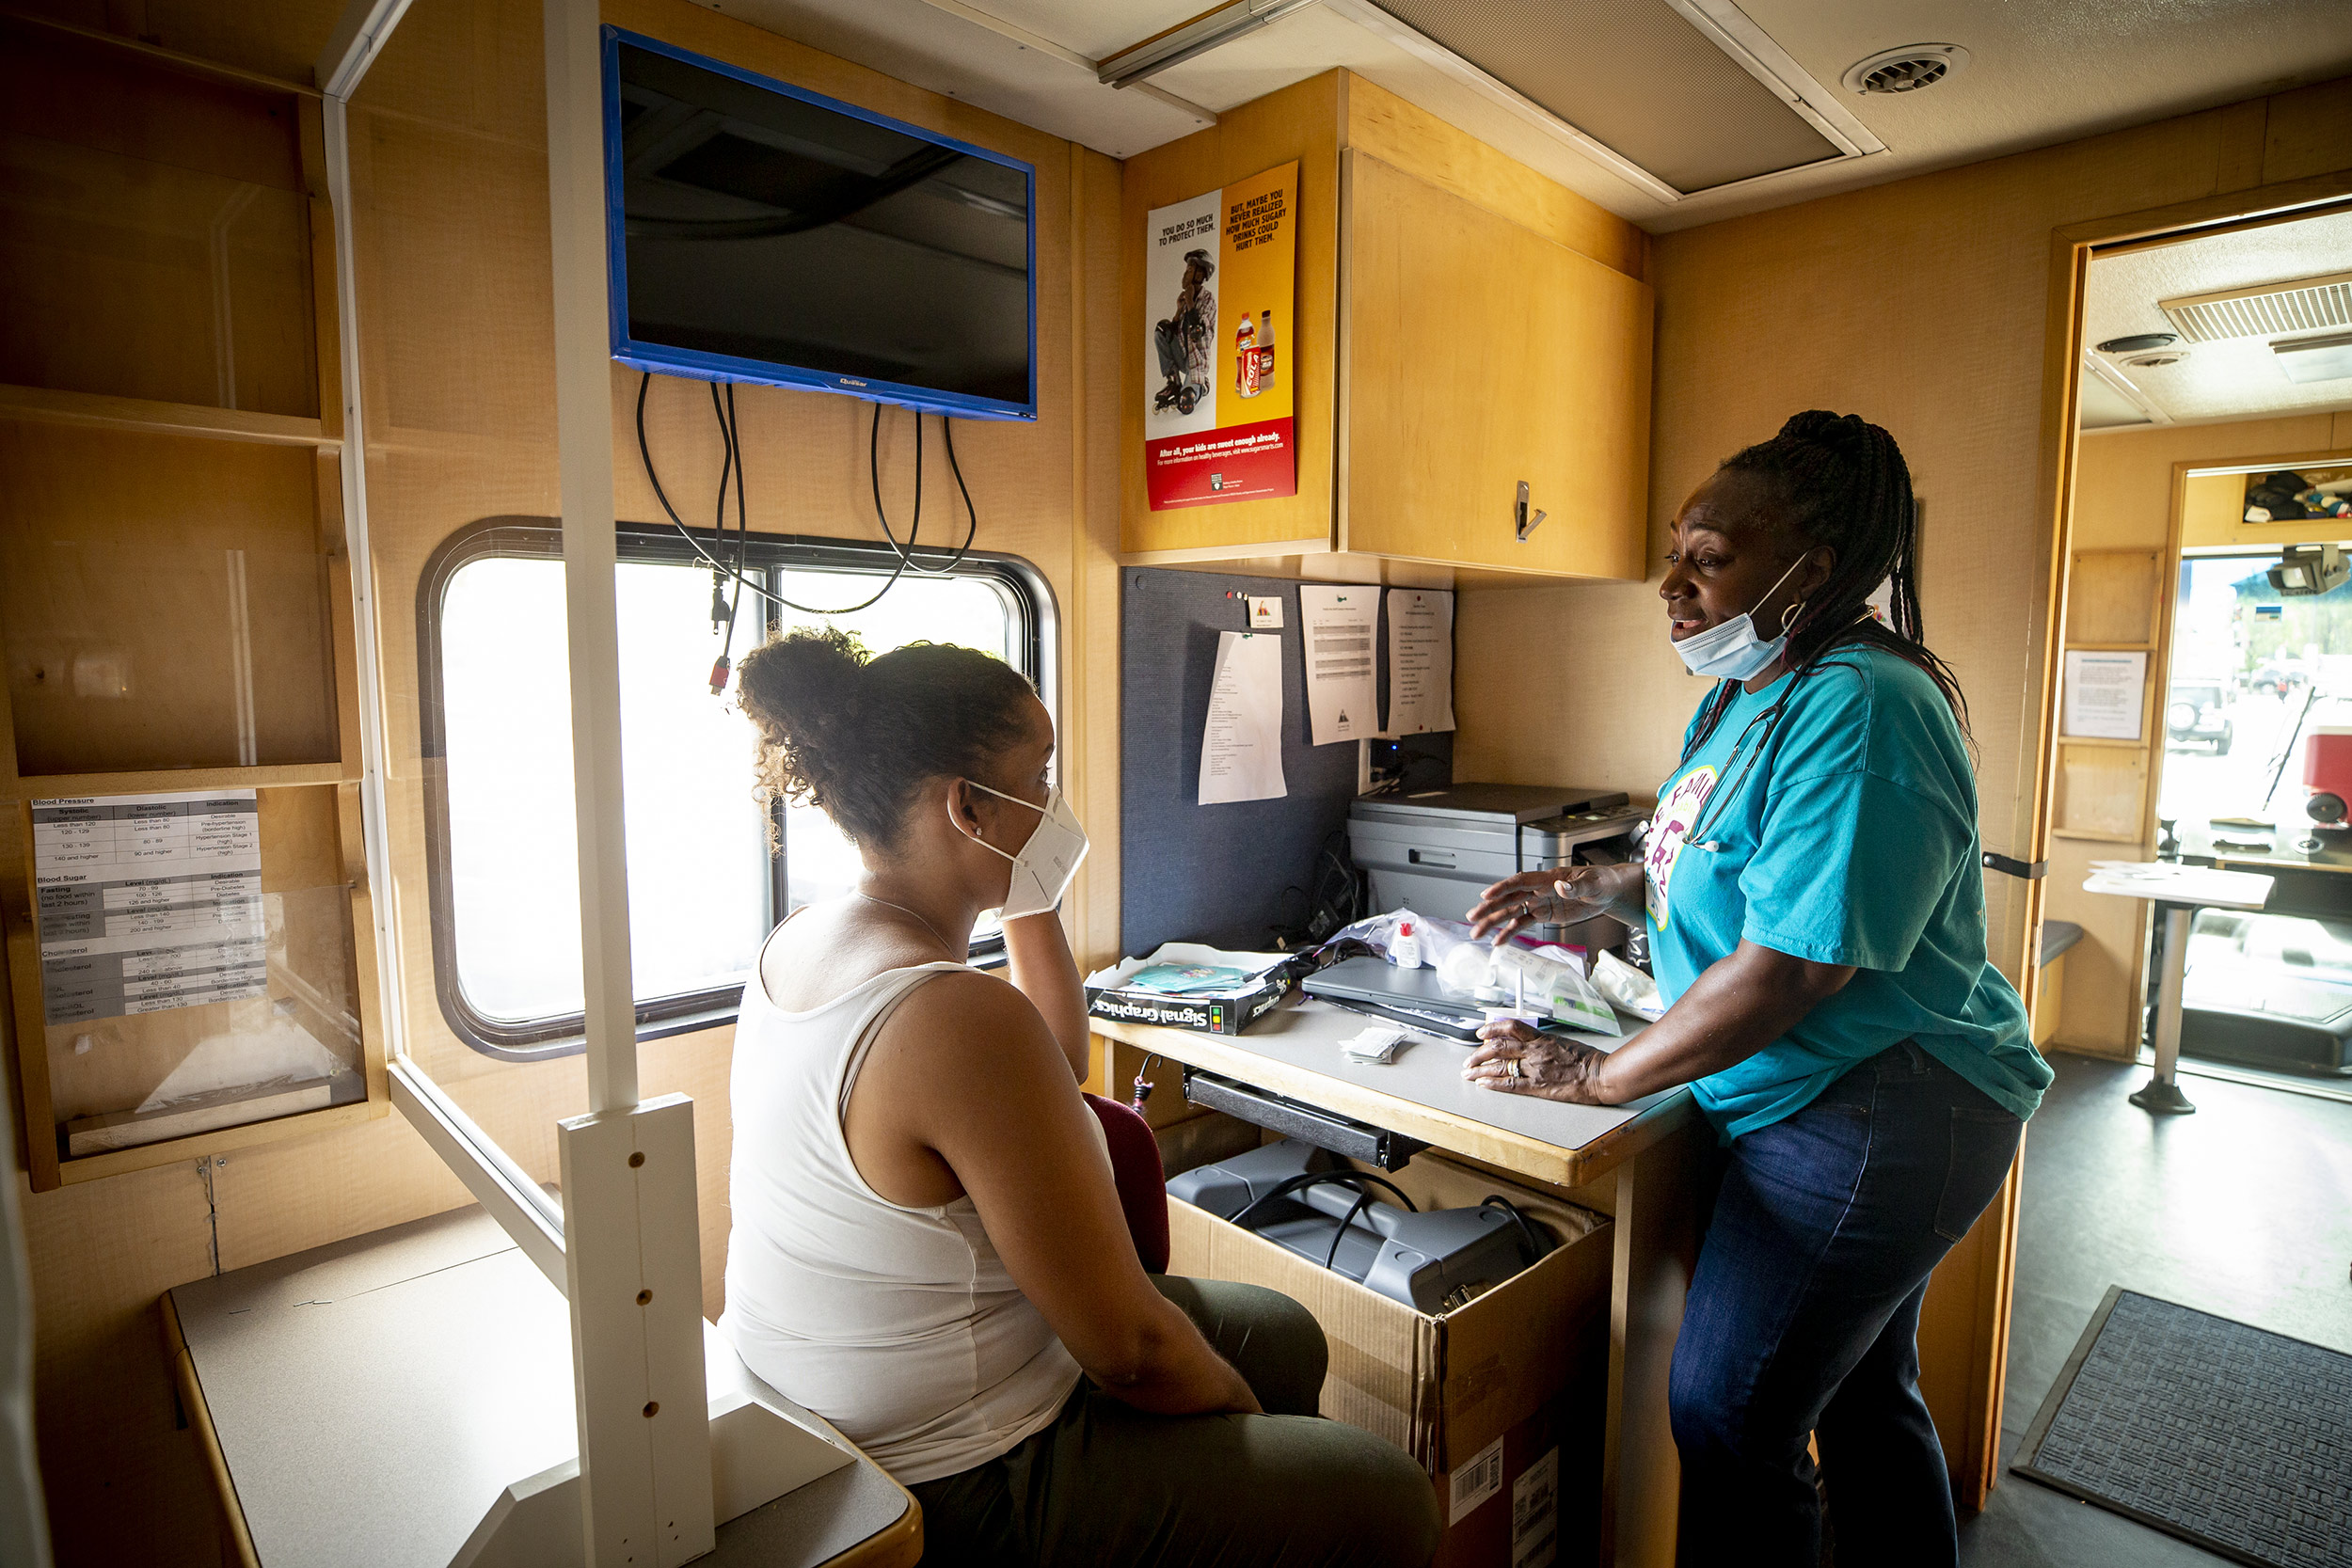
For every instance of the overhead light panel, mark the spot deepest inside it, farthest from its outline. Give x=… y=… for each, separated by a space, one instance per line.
x=1203 y=33
x=2328 y=358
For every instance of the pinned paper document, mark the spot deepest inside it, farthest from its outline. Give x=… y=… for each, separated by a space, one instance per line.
x=1421 y=660
x=1241 y=746
x=1340 y=628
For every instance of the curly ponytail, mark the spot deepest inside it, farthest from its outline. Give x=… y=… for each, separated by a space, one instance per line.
x=856 y=735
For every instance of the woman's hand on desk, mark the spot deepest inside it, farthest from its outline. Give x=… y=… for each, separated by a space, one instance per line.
x=1556 y=898
x=1514 y=1058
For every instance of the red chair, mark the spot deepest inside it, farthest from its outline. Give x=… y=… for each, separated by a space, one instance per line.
x=1142 y=1180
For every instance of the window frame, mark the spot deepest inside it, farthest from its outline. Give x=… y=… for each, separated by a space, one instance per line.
x=538 y=538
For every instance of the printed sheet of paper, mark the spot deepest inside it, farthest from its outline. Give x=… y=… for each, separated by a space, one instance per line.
x=2101 y=698
x=149 y=902
x=1421 y=660
x=1241 y=749
x=1339 y=631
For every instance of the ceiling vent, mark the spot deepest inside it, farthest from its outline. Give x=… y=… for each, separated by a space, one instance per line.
x=2264 y=311
x=1912 y=67
x=2158 y=360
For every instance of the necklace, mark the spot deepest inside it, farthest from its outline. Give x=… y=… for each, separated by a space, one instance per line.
x=903 y=910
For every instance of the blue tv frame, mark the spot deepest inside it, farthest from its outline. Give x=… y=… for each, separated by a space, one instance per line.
x=664 y=359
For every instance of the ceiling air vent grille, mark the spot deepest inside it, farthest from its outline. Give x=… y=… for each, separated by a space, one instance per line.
x=1906 y=70
x=2265 y=311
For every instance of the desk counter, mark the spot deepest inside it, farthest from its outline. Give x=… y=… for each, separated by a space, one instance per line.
x=1295 y=1051
x=1643 y=1164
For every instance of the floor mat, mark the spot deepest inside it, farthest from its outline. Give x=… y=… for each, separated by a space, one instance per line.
x=2226 y=1435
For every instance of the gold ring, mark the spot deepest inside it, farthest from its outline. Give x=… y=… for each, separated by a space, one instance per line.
x=1512 y=1066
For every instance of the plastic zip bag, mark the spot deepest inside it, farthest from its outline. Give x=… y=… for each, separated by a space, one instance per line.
x=1552 y=975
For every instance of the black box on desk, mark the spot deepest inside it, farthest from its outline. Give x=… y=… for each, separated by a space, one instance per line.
x=1223 y=1015
x=1224 y=1012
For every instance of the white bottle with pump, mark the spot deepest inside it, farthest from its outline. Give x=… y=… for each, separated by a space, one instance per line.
x=1405 y=947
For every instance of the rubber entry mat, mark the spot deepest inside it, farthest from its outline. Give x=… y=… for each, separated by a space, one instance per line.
x=2226 y=1435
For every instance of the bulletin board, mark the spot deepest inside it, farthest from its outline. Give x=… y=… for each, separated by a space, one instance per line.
x=1218 y=874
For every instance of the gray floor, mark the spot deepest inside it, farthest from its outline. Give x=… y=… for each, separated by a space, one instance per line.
x=2243 y=1210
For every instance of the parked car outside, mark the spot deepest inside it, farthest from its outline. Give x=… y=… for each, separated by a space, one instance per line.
x=2276 y=678
x=2196 y=711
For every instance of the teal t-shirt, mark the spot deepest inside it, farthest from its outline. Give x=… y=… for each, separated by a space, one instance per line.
x=1849 y=837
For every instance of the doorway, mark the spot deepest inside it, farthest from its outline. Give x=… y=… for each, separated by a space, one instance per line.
x=2159 y=428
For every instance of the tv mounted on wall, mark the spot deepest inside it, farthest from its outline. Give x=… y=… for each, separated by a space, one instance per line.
x=762 y=233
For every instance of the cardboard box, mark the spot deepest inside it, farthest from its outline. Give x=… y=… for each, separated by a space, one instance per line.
x=1479 y=1396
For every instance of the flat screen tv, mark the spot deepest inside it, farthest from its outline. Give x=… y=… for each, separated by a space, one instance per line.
x=761 y=234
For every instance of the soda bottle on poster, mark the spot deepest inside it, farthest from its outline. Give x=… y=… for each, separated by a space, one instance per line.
x=1246 y=356
x=1265 y=351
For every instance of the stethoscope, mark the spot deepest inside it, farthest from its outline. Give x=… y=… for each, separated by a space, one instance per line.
x=1768 y=718
x=1706 y=807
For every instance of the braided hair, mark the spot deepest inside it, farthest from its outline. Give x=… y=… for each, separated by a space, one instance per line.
x=1834 y=479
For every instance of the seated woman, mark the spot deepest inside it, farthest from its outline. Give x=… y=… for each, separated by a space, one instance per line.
x=928 y=1248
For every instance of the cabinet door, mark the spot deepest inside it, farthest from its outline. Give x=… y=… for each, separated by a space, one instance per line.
x=1475 y=354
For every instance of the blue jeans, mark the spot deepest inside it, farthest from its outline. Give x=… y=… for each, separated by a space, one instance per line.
x=1803 y=1317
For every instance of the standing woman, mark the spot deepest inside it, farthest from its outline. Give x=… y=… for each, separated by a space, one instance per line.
x=1815 y=901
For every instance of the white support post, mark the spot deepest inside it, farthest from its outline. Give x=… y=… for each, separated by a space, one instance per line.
x=584 y=433
x=631 y=1244
x=632 y=1253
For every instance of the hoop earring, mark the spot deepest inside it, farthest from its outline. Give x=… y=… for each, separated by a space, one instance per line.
x=1788 y=616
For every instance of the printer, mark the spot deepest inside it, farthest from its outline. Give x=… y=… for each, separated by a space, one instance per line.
x=1434 y=850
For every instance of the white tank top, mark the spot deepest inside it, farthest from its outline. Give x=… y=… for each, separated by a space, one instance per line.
x=899 y=1325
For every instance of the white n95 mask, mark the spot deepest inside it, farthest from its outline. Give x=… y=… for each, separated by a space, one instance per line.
x=1042 y=870
x=1733 y=651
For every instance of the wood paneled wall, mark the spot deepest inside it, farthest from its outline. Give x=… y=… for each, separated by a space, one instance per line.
x=2123 y=501
x=447 y=137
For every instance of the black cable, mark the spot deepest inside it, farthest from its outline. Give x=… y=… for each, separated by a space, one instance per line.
x=914 y=527
x=1535 y=1248
x=731 y=443
x=874 y=472
x=1341 y=1234
x=972 y=526
x=726 y=457
x=742 y=512
x=646 y=452
x=1290 y=1184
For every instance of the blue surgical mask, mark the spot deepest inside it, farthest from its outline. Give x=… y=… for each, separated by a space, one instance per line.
x=1732 y=651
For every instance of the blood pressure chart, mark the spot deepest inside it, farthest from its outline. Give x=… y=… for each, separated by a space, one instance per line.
x=149 y=902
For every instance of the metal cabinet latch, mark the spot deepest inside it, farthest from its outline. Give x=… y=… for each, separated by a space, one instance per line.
x=1524 y=525
x=2008 y=865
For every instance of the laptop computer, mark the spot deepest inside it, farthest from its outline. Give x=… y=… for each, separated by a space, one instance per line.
x=1409 y=996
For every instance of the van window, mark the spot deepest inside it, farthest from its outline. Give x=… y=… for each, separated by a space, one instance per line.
x=708 y=877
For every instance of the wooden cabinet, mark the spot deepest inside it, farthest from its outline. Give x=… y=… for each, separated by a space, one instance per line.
x=1463 y=326
x=1477 y=356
